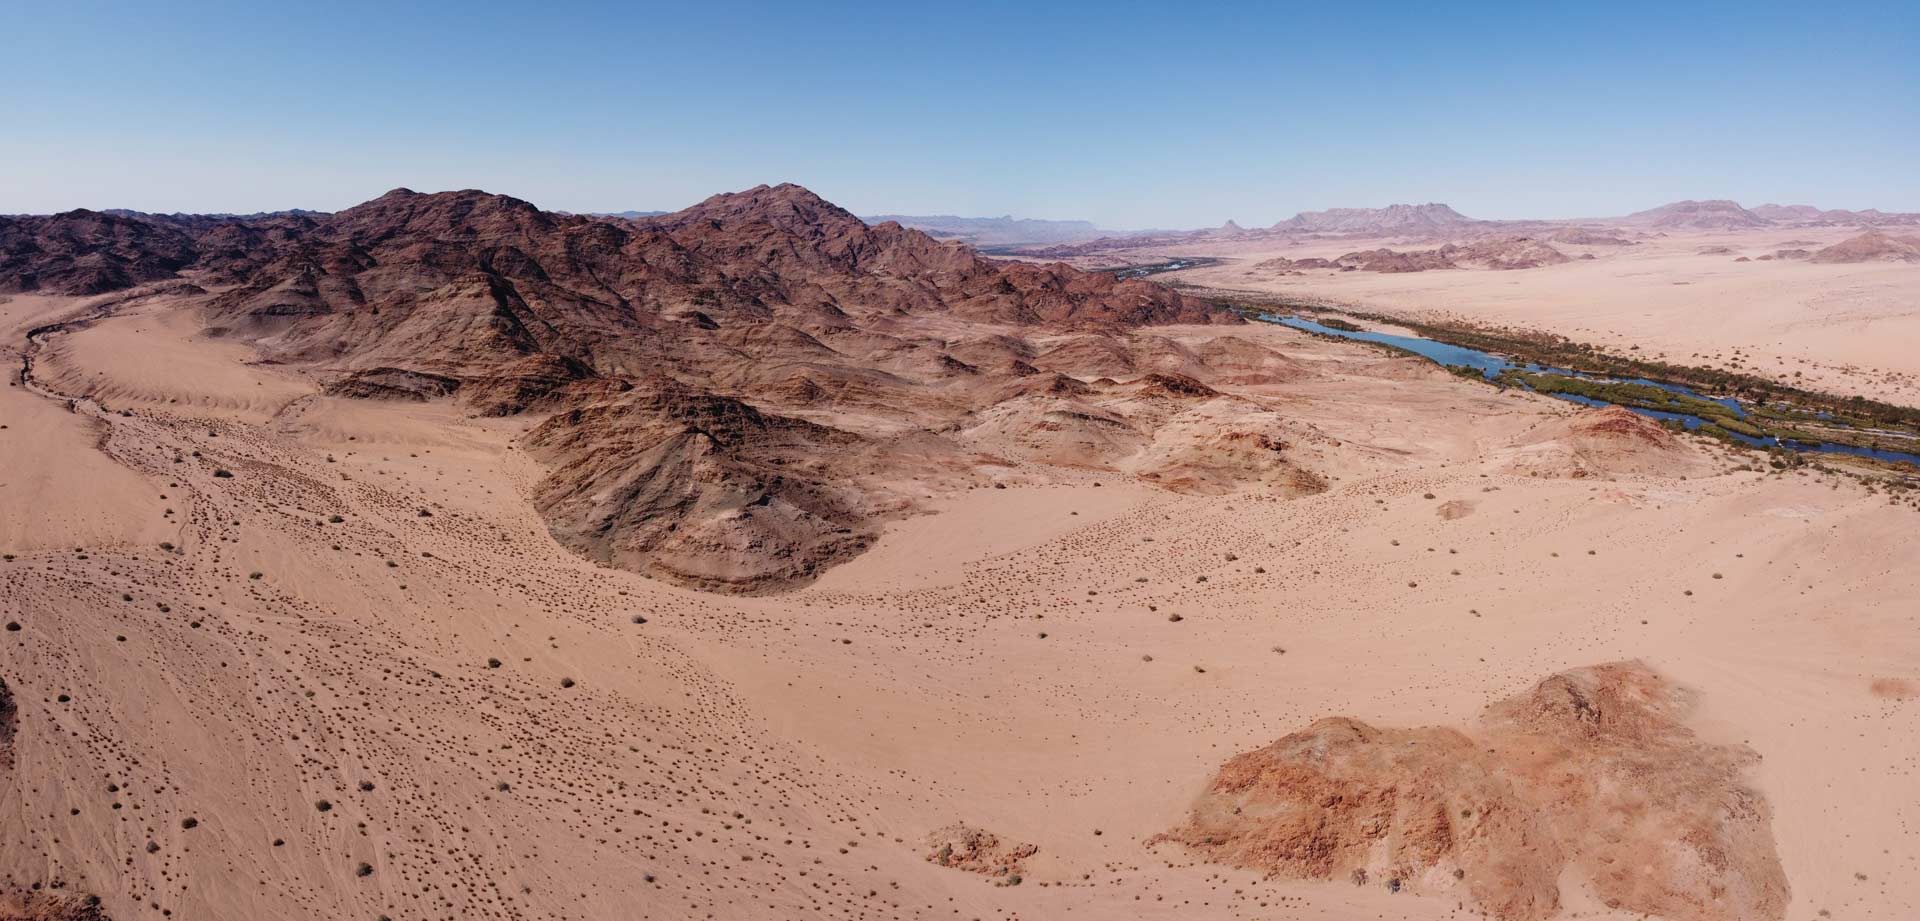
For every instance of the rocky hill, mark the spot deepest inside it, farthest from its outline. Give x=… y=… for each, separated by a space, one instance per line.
x=735 y=392
x=1719 y=214
x=1872 y=246
x=88 y=252
x=1393 y=219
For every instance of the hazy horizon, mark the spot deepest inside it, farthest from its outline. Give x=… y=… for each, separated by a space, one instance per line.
x=1249 y=115
x=886 y=213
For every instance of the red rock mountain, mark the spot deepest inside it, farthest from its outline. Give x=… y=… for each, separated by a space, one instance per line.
x=87 y=252
x=735 y=393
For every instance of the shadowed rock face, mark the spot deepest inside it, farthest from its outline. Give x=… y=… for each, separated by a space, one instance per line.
x=392 y=384
x=702 y=490
x=87 y=252
x=1592 y=769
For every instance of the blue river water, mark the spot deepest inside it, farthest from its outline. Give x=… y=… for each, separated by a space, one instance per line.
x=1490 y=365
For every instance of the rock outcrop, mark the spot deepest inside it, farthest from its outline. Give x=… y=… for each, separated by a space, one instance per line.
x=1592 y=770
x=1872 y=246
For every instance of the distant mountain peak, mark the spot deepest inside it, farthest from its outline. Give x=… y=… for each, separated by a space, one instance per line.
x=1391 y=219
x=787 y=206
x=1709 y=214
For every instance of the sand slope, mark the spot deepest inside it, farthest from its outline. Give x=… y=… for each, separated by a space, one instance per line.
x=428 y=708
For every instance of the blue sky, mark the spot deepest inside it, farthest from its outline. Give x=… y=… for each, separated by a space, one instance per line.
x=1131 y=115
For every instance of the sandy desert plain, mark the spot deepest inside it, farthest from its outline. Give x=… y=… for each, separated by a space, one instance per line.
x=862 y=578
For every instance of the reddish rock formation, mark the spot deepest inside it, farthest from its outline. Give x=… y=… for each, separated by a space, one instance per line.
x=87 y=252
x=1592 y=769
x=679 y=351
x=1872 y=246
x=977 y=850
x=703 y=490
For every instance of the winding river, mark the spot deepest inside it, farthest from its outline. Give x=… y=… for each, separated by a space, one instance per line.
x=1490 y=366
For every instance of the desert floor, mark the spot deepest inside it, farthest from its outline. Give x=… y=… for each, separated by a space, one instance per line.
x=1850 y=329
x=316 y=696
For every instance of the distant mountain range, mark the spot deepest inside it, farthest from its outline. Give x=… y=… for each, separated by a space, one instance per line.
x=1002 y=231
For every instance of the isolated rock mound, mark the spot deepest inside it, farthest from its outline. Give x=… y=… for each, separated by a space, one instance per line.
x=1604 y=441
x=1389 y=261
x=1718 y=214
x=1505 y=253
x=976 y=850
x=393 y=384
x=702 y=490
x=1591 y=770
x=1582 y=236
x=1393 y=219
x=1872 y=246
x=1501 y=253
